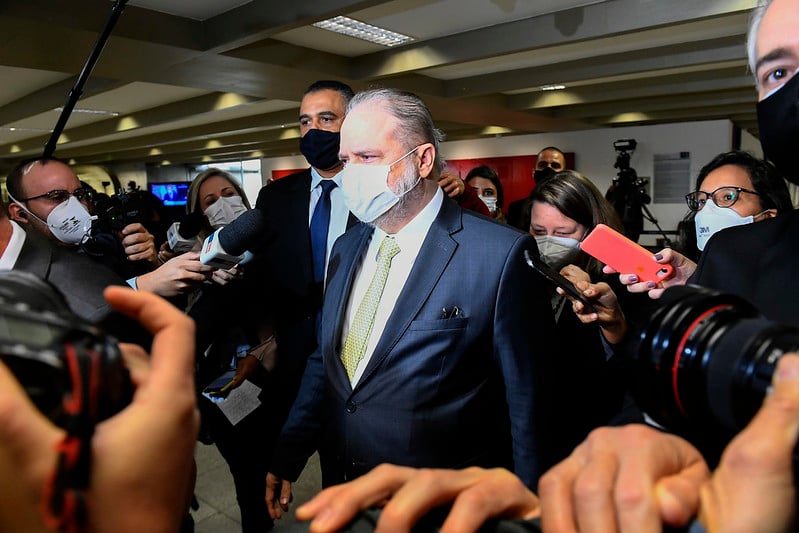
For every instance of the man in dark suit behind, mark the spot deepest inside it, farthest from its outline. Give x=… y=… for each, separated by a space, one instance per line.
x=444 y=373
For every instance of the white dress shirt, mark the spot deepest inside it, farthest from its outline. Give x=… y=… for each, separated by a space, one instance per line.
x=339 y=213
x=409 y=240
x=11 y=253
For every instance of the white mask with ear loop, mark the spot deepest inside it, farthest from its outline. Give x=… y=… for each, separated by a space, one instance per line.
x=712 y=219
x=365 y=189
x=70 y=221
x=225 y=210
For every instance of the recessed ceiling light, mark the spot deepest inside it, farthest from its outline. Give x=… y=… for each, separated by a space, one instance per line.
x=555 y=87
x=23 y=130
x=362 y=30
x=90 y=111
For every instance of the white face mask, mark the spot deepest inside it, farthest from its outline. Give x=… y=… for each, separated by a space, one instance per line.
x=225 y=210
x=69 y=222
x=365 y=189
x=491 y=203
x=713 y=218
x=557 y=252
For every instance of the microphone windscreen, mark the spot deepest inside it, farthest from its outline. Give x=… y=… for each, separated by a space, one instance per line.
x=239 y=235
x=191 y=225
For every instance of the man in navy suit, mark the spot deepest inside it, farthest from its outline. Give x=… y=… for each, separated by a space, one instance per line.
x=446 y=371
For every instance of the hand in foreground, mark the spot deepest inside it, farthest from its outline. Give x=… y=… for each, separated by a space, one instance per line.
x=177 y=276
x=753 y=487
x=139 y=244
x=223 y=277
x=407 y=494
x=142 y=456
x=683 y=269
x=631 y=478
x=278 y=495
x=453 y=186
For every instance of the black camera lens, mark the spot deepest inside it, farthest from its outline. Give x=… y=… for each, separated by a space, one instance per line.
x=705 y=360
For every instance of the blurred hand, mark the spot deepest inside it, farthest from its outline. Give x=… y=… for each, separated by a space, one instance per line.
x=452 y=185
x=407 y=494
x=245 y=367
x=753 y=487
x=631 y=478
x=159 y=427
x=179 y=275
x=683 y=269
x=165 y=253
x=607 y=311
x=139 y=244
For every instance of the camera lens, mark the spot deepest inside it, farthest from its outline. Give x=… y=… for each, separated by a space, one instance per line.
x=706 y=359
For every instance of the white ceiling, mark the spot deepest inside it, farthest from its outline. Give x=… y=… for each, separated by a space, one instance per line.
x=200 y=80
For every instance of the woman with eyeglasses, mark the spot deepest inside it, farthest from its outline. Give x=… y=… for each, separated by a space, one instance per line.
x=733 y=189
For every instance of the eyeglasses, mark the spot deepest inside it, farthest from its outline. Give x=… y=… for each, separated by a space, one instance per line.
x=722 y=197
x=59 y=196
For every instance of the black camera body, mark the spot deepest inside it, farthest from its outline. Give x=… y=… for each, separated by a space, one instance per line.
x=57 y=356
x=705 y=360
x=117 y=211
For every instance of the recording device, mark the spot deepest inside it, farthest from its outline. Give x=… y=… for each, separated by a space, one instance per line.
x=627 y=194
x=705 y=361
x=182 y=236
x=72 y=372
x=227 y=246
x=117 y=211
x=556 y=279
x=623 y=255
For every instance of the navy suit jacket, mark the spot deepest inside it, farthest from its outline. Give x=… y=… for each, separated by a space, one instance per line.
x=437 y=392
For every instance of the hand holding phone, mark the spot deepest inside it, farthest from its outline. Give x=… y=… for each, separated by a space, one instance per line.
x=623 y=255
x=557 y=280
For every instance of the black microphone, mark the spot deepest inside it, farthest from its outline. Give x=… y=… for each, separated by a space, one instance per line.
x=182 y=236
x=227 y=246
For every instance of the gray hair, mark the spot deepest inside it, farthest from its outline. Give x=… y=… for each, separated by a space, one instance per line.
x=755 y=18
x=415 y=121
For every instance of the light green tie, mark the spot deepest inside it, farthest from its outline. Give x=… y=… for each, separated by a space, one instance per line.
x=361 y=328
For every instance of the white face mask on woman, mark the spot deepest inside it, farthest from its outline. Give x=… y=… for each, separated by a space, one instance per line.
x=225 y=210
x=557 y=252
x=366 y=192
x=491 y=203
x=712 y=219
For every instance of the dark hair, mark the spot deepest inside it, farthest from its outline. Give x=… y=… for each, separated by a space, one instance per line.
x=415 y=124
x=576 y=197
x=553 y=148
x=14 y=180
x=490 y=174
x=343 y=89
x=766 y=179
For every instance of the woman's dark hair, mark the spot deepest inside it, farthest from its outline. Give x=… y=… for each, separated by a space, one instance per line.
x=576 y=197
x=490 y=174
x=766 y=179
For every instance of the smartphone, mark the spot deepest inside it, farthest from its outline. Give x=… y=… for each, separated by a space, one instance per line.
x=623 y=255
x=557 y=280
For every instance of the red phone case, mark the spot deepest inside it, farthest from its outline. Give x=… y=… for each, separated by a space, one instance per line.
x=623 y=255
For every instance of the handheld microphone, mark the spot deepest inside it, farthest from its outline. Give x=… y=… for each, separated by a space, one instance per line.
x=227 y=246
x=182 y=236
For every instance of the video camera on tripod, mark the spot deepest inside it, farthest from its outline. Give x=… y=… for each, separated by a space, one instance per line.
x=627 y=194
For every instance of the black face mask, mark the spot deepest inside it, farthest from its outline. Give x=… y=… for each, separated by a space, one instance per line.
x=778 y=122
x=320 y=148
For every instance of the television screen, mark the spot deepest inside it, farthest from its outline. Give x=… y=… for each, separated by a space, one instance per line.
x=171 y=193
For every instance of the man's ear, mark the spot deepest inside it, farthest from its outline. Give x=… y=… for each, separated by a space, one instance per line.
x=17 y=214
x=427 y=159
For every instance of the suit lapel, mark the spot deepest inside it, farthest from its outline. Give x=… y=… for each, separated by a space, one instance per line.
x=434 y=255
x=347 y=259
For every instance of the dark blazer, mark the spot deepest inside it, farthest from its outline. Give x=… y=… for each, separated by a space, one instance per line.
x=437 y=392
x=281 y=278
x=758 y=262
x=82 y=282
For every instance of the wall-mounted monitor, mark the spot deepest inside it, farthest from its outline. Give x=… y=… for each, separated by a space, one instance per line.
x=171 y=192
